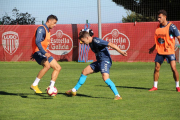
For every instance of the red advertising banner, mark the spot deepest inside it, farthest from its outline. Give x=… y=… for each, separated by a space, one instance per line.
x=135 y=39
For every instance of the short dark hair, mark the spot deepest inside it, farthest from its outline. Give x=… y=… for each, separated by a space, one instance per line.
x=52 y=17
x=162 y=12
x=83 y=34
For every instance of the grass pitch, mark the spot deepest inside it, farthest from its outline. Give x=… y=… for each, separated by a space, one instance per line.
x=94 y=100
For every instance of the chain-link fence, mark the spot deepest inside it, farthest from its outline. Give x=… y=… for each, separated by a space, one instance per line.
x=130 y=24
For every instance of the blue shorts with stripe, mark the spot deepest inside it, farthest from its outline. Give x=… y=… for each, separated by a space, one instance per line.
x=160 y=58
x=103 y=66
x=38 y=56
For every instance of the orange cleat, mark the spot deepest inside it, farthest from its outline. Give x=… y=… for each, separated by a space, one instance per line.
x=153 y=89
x=117 y=98
x=70 y=92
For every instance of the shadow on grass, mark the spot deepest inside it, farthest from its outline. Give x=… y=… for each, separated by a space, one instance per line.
x=44 y=95
x=127 y=87
x=25 y=95
x=133 y=87
x=82 y=95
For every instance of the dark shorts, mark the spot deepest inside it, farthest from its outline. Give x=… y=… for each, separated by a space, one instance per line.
x=103 y=66
x=39 y=57
x=160 y=58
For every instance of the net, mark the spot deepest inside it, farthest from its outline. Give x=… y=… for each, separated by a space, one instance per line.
x=129 y=24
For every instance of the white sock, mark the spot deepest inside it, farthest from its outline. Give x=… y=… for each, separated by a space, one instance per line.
x=155 y=83
x=36 y=81
x=118 y=95
x=177 y=83
x=52 y=83
x=74 y=90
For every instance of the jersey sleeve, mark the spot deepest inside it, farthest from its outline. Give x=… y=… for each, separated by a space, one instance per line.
x=101 y=42
x=174 y=31
x=40 y=36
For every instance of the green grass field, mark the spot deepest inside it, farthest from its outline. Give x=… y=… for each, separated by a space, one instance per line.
x=94 y=100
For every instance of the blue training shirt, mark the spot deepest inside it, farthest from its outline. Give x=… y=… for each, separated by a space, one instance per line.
x=99 y=47
x=173 y=31
x=40 y=36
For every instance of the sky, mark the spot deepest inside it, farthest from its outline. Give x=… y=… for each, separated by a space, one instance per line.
x=67 y=11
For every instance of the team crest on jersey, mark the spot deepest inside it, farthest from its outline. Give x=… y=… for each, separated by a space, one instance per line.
x=119 y=39
x=177 y=43
x=60 y=43
x=10 y=42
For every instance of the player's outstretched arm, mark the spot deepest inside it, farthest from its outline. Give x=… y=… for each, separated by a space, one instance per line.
x=152 y=49
x=115 y=47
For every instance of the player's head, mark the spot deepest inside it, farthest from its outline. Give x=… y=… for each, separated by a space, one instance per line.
x=90 y=31
x=51 y=21
x=162 y=15
x=84 y=37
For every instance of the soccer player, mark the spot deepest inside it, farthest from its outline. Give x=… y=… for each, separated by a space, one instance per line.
x=164 y=43
x=40 y=45
x=103 y=63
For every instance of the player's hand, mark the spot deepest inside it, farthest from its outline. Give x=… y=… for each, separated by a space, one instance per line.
x=48 y=55
x=151 y=50
x=124 y=53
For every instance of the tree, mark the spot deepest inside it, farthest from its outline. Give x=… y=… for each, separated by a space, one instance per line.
x=151 y=7
x=19 y=18
x=132 y=16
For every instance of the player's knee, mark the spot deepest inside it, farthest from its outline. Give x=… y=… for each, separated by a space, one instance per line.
x=105 y=77
x=58 y=68
x=173 y=69
x=83 y=72
x=157 y=68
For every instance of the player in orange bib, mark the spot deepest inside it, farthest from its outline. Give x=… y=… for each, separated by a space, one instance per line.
x=40 y=45
x=164 y=43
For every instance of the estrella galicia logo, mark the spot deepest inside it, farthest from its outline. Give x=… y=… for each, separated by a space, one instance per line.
x=119 y=39
x=60 y=43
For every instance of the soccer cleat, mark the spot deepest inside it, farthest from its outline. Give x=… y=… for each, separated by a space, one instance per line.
x=117 y=98
x=36 y=89
x=70 y=92
x=178 y=89
x=153 y=89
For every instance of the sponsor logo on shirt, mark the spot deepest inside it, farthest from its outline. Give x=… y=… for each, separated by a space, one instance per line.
x=10 y=42
x=119 y=39
x=60 y=43
x=97 y=41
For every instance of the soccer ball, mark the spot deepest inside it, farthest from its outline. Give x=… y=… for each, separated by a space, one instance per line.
x=52 y=91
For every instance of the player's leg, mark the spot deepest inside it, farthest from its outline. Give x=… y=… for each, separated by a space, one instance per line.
x=158 y=61
x=171 y=59
x=111 y=85
x=104 y=68
x=88 y=70
x=57 y=68
x=156 y=76
x=46 y=66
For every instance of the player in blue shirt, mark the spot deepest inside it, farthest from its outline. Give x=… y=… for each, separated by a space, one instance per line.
x=40 y=43
x=103 y=63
